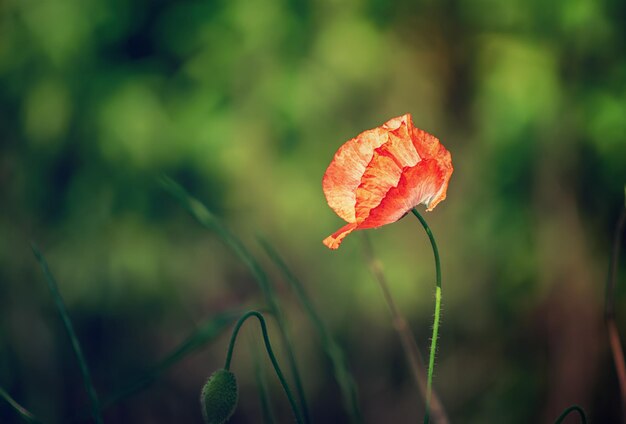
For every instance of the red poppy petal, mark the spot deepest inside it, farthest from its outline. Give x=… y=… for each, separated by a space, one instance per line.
x=333 y=241
x=427 y=145
x=395 y=123
x=445 y=169
x=381 y=174
x=400 y=148
x=418 y=184
x=344 y=173
x=384 y=170
x=377 y=177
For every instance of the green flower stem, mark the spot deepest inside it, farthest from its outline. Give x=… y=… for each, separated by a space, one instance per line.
x=581 y=412
x=270 y=353
x=433 y=343
x=56 y=295
x=411 y=349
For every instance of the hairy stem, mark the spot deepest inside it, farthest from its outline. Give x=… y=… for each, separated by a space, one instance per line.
x=433 y=343
x=409 y=345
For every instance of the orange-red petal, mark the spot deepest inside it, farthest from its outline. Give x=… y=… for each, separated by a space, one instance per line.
x=344 y=173
x=381 y=174
x=399 y=145
x=418 y=184
x=377 y=177
x=333 y=241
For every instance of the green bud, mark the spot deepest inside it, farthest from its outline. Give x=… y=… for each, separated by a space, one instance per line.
x=219 y=397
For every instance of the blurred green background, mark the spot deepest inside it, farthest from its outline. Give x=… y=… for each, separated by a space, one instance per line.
x=244 y=103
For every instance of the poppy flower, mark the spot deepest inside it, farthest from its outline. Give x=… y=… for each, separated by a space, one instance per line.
x=383 y=173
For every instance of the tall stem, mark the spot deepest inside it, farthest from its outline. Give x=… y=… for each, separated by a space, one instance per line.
x=433 y=343
x=270 y=353
x=409 y=345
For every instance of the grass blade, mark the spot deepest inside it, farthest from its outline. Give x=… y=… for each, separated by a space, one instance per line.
x=343 y=376
x=211 y=222
x=58 y=300
x=23 y=412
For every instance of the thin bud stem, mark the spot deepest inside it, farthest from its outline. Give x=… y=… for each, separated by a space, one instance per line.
x=564 y=414
x=270 y=353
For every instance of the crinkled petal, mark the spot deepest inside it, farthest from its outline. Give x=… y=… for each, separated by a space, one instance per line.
x=377 y=177
x=384 y=170
x=418 y=184
x=344 y=173
x=444 y=167
x=333 y=241
x=395 y=123
x=381 y=174
x=427 y=145
x=399 y=148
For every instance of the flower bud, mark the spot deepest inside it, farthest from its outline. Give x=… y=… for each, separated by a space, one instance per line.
x=219 y=397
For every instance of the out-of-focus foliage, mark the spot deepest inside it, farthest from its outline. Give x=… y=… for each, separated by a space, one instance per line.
x=244 y=103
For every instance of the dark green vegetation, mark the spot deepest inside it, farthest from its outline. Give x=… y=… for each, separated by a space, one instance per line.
x=243 y=103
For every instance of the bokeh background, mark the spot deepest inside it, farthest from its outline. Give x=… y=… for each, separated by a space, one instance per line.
x=244 y=103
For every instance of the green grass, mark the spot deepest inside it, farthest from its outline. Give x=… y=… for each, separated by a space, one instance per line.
x=211 y=222
x=84 y=369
